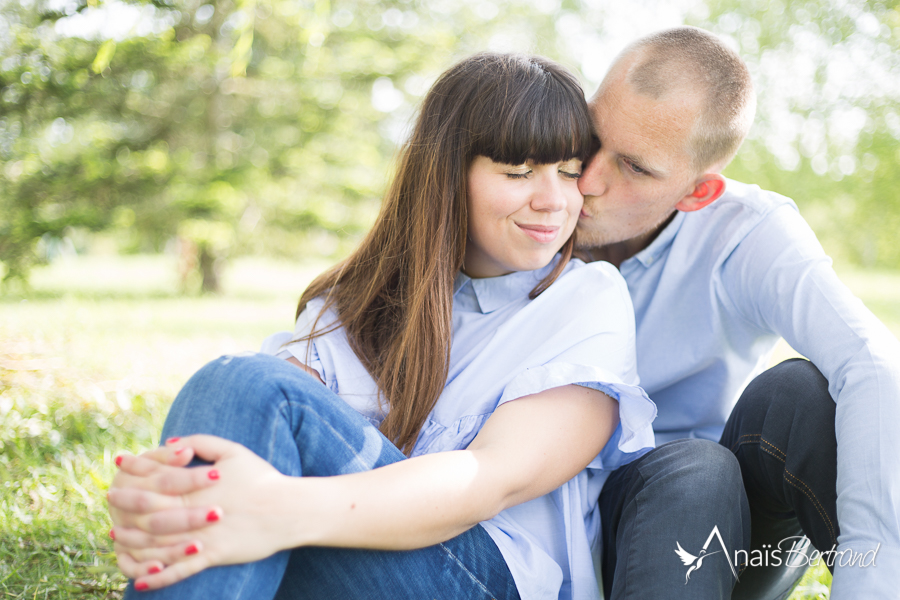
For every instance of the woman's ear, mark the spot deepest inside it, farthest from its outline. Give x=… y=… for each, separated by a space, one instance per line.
x=707 y=189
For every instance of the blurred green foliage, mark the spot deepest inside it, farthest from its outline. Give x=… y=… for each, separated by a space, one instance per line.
x=248 y=126
x=827 y=131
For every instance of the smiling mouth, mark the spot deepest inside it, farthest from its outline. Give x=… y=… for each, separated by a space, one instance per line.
x=540 y=233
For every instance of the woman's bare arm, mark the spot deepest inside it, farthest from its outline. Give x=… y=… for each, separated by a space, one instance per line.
x=527 y=448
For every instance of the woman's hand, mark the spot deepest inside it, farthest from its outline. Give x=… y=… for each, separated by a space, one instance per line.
x=132 y=503
x=190 y=519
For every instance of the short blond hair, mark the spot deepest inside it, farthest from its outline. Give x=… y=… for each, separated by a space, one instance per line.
x=691 y=59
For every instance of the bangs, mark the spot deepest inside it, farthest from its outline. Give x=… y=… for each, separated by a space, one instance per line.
x=536 y=116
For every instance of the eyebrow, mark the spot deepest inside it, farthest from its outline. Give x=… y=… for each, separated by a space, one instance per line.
x=643 y=164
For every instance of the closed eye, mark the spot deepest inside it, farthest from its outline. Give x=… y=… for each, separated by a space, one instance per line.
x=634 y=167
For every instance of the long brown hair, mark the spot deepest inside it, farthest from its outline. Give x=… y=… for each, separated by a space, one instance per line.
x=394 y=294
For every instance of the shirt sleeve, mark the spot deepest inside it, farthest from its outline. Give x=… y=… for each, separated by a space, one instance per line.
x=596 y=337
x=780 y=279
x=285 y=345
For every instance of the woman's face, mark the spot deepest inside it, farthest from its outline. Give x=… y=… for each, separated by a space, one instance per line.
x=519 y=216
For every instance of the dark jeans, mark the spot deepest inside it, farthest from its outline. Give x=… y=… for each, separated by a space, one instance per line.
x=771 y=477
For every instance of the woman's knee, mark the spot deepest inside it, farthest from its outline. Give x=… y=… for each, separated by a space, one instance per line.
x=229 y=390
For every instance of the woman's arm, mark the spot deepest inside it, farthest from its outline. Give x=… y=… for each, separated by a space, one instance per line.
x=309 y=370
x=527 y=448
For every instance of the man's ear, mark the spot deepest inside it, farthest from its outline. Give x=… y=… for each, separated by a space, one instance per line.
x=706 y=189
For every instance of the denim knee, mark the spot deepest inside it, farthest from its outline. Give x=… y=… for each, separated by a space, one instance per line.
x=790 y=390
x=700 y=470
x=231 y=394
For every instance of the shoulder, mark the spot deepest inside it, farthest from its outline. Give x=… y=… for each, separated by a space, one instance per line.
x=740 y=208
x=593 y=274
x=745 y=213
x=750 y=198
x=583 y=288
x=313 y=317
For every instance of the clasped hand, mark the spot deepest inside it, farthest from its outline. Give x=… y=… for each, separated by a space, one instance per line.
x=171 y=522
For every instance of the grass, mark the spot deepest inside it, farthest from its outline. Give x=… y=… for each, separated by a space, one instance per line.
x=90 y=359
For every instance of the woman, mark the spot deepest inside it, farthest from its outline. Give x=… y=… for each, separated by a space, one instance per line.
x=504 y=433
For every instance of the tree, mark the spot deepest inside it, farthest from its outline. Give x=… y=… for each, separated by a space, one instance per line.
x=828 y=123
x=232 y=125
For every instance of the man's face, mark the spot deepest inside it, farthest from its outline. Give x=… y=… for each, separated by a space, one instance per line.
x=642 y=168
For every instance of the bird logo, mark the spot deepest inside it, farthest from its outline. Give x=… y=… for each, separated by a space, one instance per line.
x=694 y=562
x=687 y=558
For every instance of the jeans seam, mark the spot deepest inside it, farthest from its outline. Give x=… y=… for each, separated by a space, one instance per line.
x=356 y=460
x=806 y=492
x=814 y=500
x=466 y=570
x=632 y=548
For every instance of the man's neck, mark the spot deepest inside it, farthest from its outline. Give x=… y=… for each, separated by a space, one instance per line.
x=619 y=252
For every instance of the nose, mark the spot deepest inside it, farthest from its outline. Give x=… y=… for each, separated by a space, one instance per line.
x=548 y=193
x=593 y=176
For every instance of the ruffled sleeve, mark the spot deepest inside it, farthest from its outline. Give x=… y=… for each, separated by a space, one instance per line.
x=282 y=344
x=634 y=434
x=599 y=354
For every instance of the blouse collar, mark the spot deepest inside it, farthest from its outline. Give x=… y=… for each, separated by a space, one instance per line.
x=495 y=292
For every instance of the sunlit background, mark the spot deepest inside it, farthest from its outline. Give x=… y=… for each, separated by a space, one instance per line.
x=172 y=174
x=268 y=126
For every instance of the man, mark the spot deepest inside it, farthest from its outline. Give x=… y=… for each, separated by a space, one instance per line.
x=718 y=271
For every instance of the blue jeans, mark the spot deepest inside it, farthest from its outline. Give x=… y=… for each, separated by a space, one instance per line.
x=772 y=476
x=299 y=426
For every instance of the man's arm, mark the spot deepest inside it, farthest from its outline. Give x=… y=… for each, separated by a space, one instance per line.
x=781 y=279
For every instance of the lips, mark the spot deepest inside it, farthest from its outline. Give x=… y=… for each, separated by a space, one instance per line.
x=539 y=233
x=583 y=215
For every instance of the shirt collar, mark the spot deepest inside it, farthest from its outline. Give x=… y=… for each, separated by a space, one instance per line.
x=495 y=292
x=648 y=255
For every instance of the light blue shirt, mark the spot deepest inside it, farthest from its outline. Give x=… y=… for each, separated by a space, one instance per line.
x=505 y=346
x=713 y=293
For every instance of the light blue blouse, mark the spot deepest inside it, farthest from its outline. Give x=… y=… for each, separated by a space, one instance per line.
x=505 y=346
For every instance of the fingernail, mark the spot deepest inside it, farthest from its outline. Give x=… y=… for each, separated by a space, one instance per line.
x=153 y=570
x=180 y=450
x=141 y=586
x=118 y=461
x=172 y=440
x=112 y=534
x=192 y=549
x=212 y=516
x=213 y=474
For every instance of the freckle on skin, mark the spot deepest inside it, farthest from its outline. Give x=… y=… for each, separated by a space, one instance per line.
x=352 y=506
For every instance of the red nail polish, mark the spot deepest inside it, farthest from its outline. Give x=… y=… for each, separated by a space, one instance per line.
x=192 y=549
x=213 y=474
x=153 y=570
x=180 y=450
x=118 y=461
x=141 y=586
x=212 y=516
x=112 y=534
x=172 y=440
